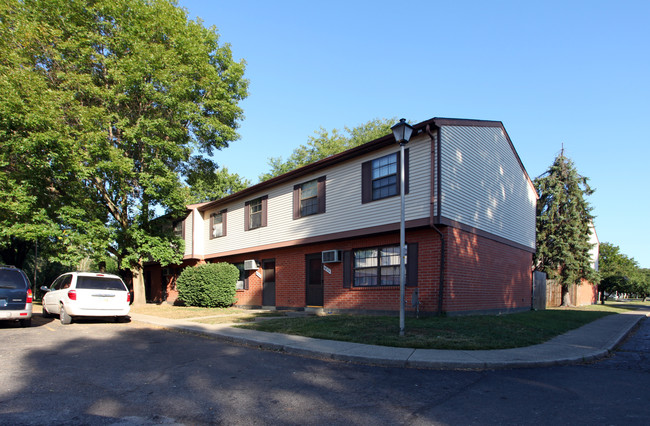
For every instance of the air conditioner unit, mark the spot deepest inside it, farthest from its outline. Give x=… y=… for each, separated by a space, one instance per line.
x=250 y=265
x=331 y=256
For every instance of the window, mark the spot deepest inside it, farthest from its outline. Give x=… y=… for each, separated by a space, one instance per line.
x=384 y=177
x=242 y=281
x=380 y=177
x=309 y=198
x=218 y=224
x=377 y=266
x=255 y=213
x=62 y=282
x=97 y=283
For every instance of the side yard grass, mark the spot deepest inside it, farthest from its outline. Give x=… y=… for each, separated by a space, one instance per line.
x=459 y=332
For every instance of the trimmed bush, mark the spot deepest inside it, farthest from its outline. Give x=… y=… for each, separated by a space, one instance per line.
x=211 y=285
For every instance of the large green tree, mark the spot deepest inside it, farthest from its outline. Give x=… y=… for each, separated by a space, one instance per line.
x=206 y=181
x=620 y=273
x=564 y=226
x=103 y=103
x=324 y=144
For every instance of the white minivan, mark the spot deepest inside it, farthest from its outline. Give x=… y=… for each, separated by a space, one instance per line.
x=86 y=294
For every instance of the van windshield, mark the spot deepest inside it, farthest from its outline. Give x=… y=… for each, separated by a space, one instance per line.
x=100 y=283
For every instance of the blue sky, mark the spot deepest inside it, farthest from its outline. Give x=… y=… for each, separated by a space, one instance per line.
x=556 y=73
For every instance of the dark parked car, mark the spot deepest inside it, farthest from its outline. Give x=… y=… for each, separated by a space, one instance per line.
x=15 y=296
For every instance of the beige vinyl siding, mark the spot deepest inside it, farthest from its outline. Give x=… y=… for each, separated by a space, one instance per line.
x=483 y=184
x=187 y=224
x=344 y=210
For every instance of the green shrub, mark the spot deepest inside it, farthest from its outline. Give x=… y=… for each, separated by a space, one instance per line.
x=210 y=285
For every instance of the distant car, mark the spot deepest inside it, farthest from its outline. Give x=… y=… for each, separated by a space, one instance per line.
x=15 y=296
x=86 y=294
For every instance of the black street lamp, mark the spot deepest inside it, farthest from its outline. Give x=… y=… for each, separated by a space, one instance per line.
x=402 y=132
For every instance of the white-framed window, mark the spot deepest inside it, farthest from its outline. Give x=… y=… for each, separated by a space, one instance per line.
x=377 y=266
x=255 y=213
x=384 y=177
x=218 y=224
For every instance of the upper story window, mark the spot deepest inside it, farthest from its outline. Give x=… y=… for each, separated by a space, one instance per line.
x=255 y=213
x=384 y=177
x=309 y=198
x=380 y=177
x=218 y=224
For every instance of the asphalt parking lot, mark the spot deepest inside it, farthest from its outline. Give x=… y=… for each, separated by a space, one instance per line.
x=102 y=372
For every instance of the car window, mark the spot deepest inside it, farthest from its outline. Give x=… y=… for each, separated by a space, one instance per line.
x=65 y=283
x=11 y=278
x=62 y=282
x=100 y=283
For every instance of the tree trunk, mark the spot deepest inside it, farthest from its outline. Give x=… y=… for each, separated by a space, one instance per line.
x=566 y=296
x=139 y=295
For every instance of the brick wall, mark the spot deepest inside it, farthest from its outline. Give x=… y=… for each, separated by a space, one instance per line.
x=585 y=294
x=485 y=275
x=480 y=275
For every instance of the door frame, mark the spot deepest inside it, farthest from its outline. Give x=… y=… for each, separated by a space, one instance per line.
x=265 y=290
x=309 y=257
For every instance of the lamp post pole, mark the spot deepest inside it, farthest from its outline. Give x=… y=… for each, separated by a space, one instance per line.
x=402 y=132
x=402 y=242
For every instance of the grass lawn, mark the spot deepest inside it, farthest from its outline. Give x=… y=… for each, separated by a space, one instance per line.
x=203 y=315
x=461 y=332
x=166 y=310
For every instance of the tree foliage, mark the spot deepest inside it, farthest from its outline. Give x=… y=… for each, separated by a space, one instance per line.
x=206 y=182
x=563 y=226
x=103 y=103
x=621 y=273
x=324 y=144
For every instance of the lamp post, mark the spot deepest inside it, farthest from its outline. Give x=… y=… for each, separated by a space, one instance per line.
x=402 y=132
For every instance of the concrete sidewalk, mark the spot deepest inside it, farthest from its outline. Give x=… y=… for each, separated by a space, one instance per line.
x=592 y=341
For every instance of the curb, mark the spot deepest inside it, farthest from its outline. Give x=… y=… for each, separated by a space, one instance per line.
x=590 y=342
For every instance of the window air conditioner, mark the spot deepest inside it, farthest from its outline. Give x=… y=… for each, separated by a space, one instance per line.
x=331 y=256
x=250 y=265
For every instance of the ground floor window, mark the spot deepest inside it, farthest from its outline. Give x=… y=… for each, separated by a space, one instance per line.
x=377 y=266
x=242 y=283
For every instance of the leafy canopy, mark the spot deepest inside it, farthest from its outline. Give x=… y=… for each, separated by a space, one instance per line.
x=564 y=223
x=621 y=273
x=206 y=181
x=103 y=103
x=324 y=144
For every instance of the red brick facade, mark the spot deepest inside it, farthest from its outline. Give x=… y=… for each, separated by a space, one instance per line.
x=480 y=275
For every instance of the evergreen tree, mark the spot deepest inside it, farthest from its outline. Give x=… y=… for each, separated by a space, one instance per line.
x=564 y=225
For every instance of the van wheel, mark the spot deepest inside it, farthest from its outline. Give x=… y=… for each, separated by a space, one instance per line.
x=64 y=317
